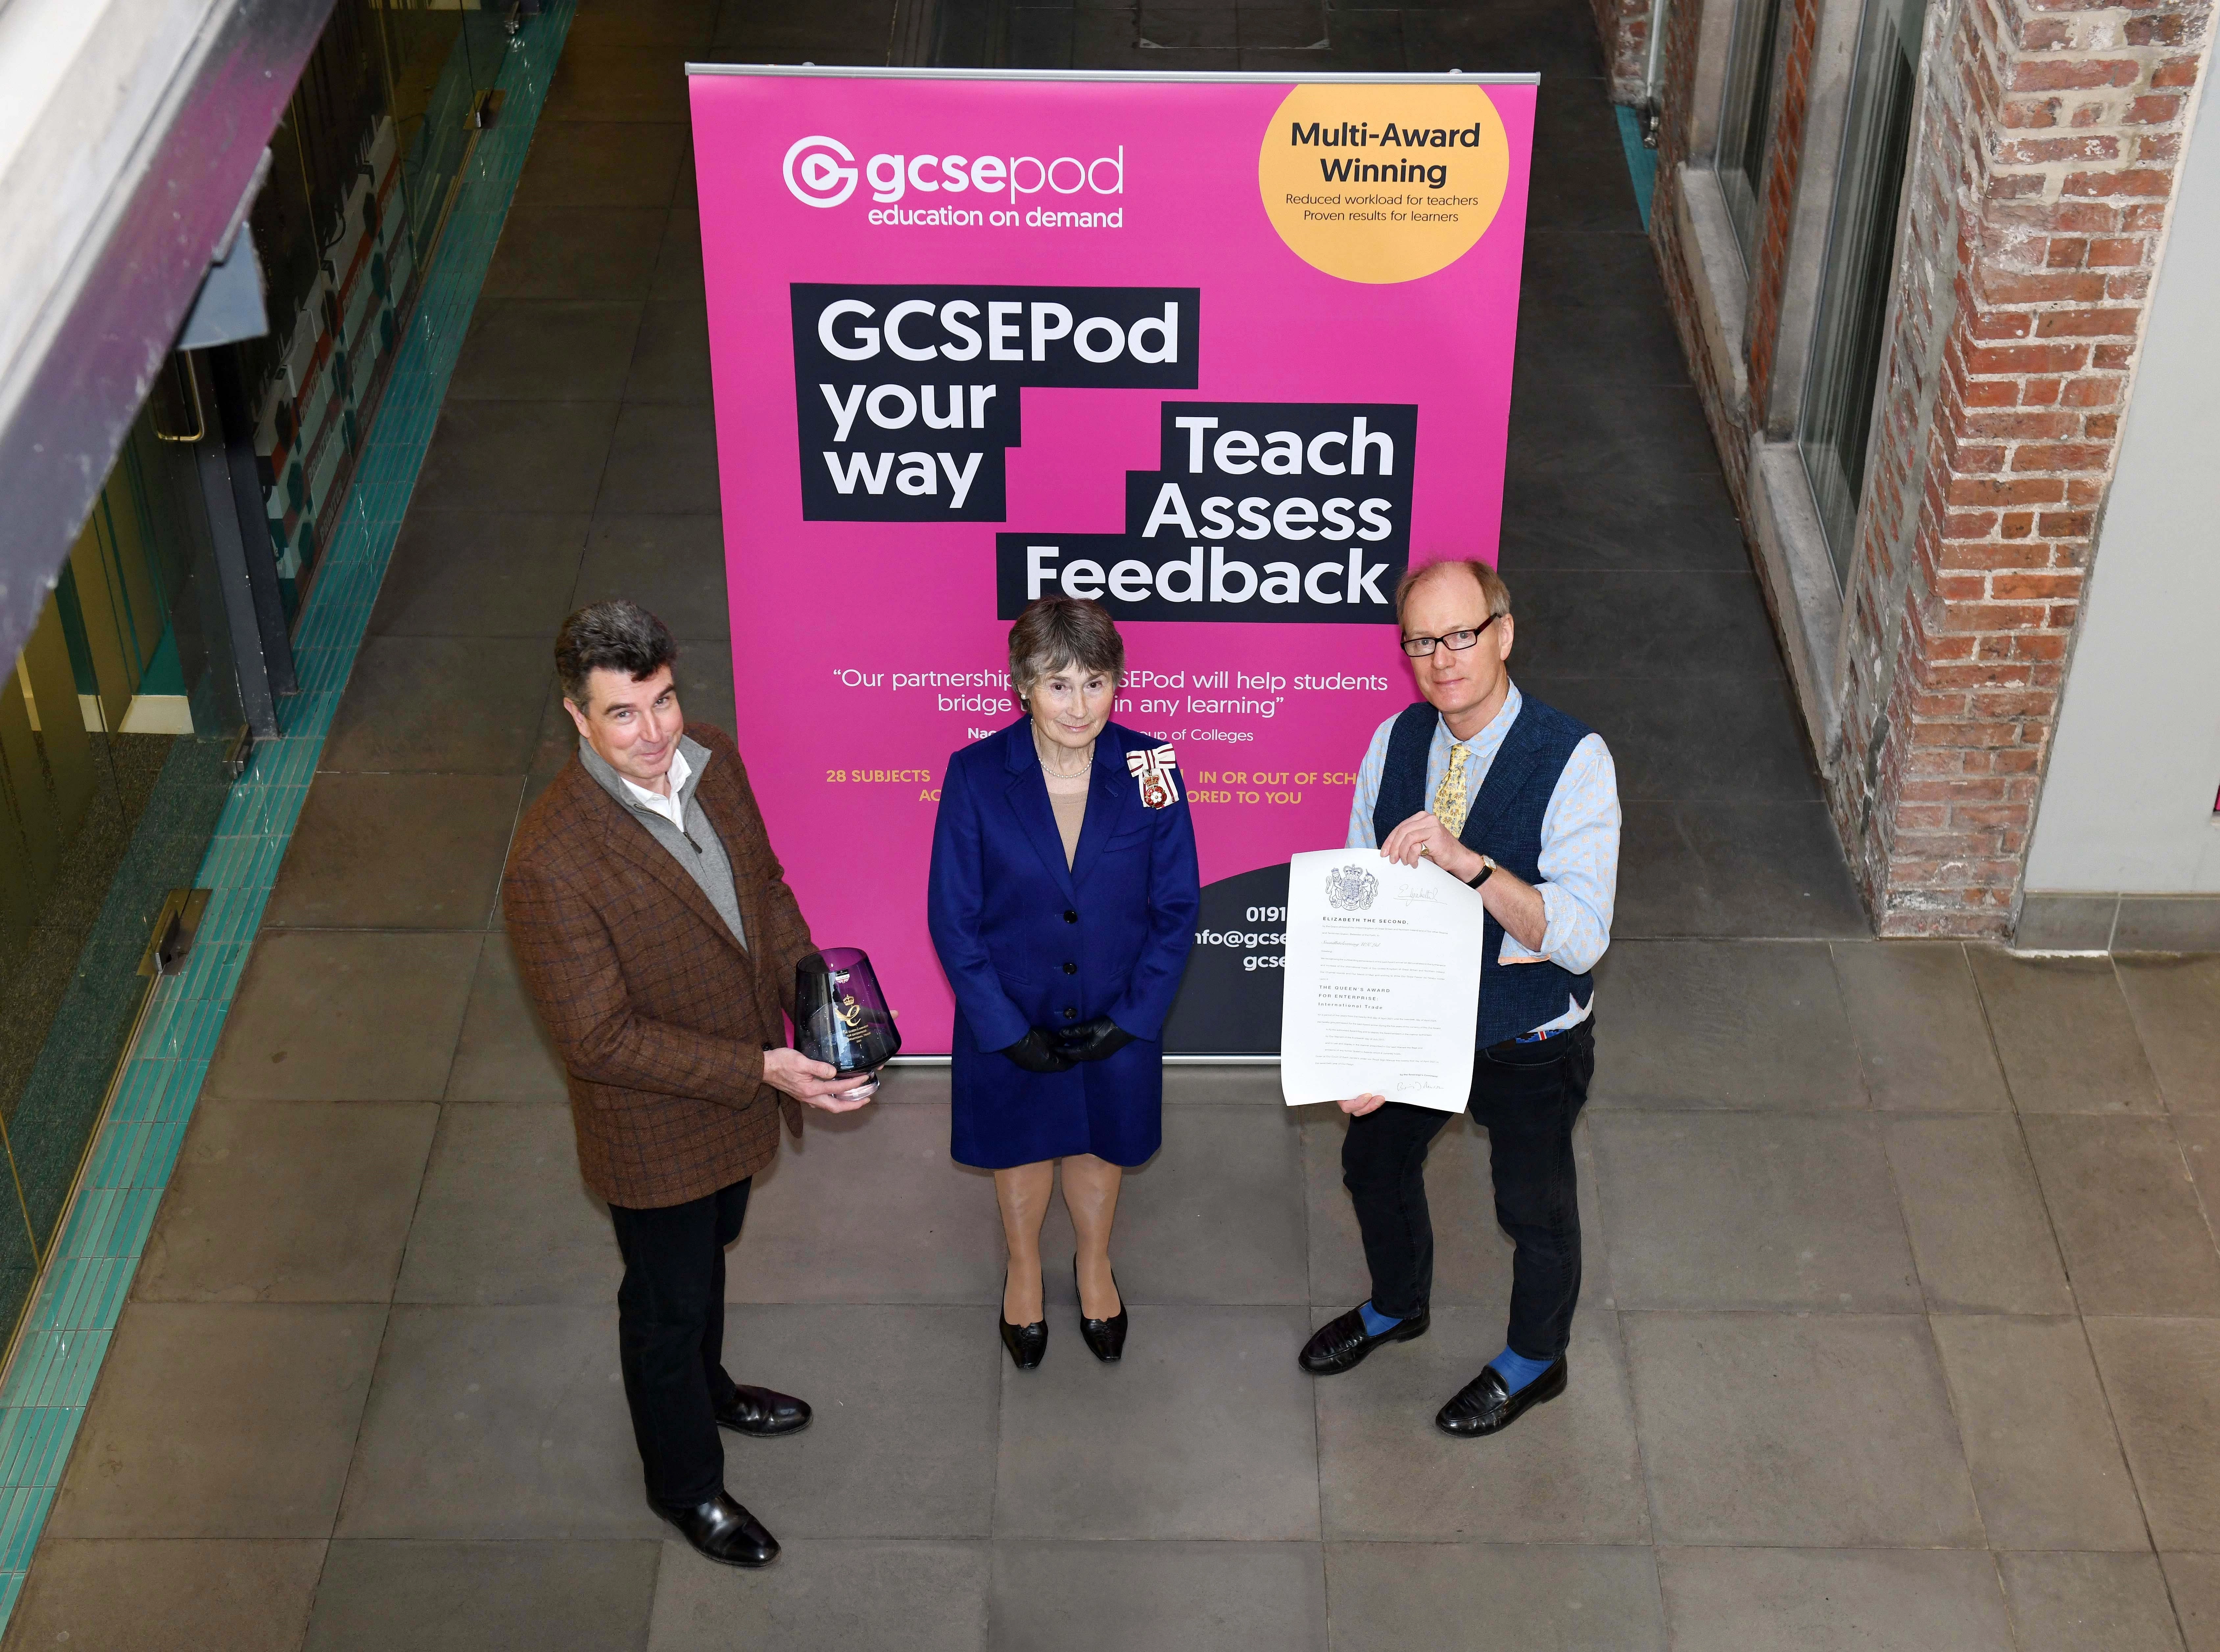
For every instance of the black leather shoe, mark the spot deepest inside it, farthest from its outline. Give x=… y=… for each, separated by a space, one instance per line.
x=1341 y=1344
x=1485 y=1405
x=1105 y=1338
x=723 y=1531
x=763 y=1412
x=1027 y=1344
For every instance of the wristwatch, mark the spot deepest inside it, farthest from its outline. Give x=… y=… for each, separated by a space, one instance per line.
x=1486 y=867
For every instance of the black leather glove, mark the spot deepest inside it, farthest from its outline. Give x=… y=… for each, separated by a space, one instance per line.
x=1092 y=1040
x=1036 y=1053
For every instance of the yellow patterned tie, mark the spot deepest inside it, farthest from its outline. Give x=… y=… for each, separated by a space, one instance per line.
x=1451 y=804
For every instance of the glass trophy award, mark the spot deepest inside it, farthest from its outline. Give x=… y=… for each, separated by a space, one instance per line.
x=840 y=1016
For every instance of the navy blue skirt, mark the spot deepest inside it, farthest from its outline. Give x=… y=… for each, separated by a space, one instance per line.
x=1004 y=1116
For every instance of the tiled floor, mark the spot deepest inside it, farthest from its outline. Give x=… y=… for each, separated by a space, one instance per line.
x=1903 y=1314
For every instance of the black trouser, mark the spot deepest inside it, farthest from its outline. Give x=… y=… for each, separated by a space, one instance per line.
x=1526 y=1097
x=671 y=1338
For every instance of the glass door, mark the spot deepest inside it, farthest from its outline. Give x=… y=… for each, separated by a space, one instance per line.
x=1834 y=425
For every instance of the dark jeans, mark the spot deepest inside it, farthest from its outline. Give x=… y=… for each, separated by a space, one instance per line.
x=671 y=1338
x=1526 y=1097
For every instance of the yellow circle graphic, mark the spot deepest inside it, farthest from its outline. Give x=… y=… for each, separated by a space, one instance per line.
x=1382 y=183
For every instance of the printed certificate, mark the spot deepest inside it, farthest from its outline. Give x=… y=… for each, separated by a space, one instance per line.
x=1383 y=980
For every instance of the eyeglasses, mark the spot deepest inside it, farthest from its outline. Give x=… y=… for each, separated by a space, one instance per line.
x=1457 y=641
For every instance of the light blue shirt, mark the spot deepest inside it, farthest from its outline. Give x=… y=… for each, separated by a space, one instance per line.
x=1579 y=881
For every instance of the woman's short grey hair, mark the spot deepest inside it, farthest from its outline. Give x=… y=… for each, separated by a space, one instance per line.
x=612 y=636
x=1060 y=631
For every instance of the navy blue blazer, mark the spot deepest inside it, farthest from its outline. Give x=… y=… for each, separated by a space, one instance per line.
x=1028 y=942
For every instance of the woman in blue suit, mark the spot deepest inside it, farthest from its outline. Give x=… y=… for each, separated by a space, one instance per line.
x=1063 y=902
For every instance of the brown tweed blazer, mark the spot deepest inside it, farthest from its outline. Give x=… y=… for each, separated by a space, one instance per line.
x=660 y=1016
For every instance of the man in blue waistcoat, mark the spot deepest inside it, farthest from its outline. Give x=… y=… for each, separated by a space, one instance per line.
x=1521 y=803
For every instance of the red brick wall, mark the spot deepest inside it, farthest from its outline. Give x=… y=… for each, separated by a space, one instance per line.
x=2045 y=149
x=2044 y=145
x=1623 y=27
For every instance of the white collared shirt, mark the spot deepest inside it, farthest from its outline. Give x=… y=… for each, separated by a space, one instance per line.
x=673 y=808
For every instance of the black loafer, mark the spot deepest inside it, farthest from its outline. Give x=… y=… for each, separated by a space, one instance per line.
x=724 y=1531
x=1105 y=1338
x=763 y=1412
x=1485 y=1405
x=1341 y=1344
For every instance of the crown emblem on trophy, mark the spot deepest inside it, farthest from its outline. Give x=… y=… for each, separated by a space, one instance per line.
x=1351 y=889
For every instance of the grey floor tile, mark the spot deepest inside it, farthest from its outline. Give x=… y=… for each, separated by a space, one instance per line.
x=2066 y=1603
x=1751 y=1211
x=2195 y=1582
x=523 y=456
x=484 y=1597
x=546 y=350
x=1711 y=739
x=461 y=705
x=1570 y=1472
x=1202 y=1431
x=678 y=258
x=504 y=1053
x=1833 y=1600
x=1389 y=1597
x=2046 y=1462
x=2134 y=1237
x=1754 y=869
x=619 y=82
x=504 y=1423
x=175 y=1595
x=396 y=851
x=324 y=1015
x=826 y=1596
x=2199 y=1136
x=603 y=163
x=869 y=1207
x=1556 y=515
x=662 y=459
x=1641 y=624
x=288 y=1201
x=903 y=1445
x=607 y=253
x=504 y=1217
x=705 y=682
x=1917 y=1018
x=672 y=566
x=1820 y=1430
x=1722 y=1024
x=2064 y=1032
x=682 y=26
x=1139 y=1597
x=2159 y=1375
x=1979 y=1232
x=473 y=573
x=1217 y=1083
x=219 y=1419
x=1472 y=1255
x=2175 y=1002
x=671 y=362
x=1216 y=1217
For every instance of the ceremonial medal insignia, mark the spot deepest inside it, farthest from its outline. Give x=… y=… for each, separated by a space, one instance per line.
x=1153 y=772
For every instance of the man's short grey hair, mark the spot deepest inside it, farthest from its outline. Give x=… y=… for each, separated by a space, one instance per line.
x=612 y=636
x=1493 y=590
x=1060 y=631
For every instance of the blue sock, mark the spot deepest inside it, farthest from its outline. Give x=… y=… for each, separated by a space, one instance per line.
x=1376 y=1324
x=1517 y=1370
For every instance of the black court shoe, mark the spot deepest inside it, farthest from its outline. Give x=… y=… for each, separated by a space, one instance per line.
x=1027 y=1344
x=724 y=1531
x=1341 y=1344
x=1105 y=1338
x=763 y=1412
x=1486 y=1406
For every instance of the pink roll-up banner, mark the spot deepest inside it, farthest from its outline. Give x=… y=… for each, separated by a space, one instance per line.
x=1227 y=353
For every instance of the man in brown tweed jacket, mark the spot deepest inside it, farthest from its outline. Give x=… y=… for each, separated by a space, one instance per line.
x=655 y=932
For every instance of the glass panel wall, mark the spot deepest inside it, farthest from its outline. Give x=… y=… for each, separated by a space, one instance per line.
x=118 y=722
x=1835 y=427
x=1746 y=116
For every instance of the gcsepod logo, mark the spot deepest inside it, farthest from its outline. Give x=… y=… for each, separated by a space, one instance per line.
x=821 y=171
